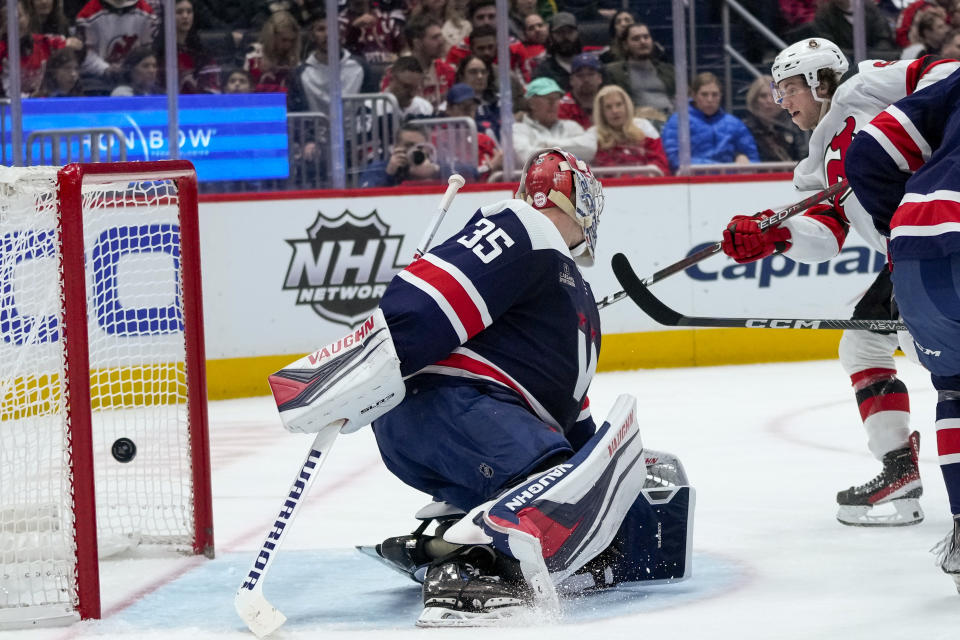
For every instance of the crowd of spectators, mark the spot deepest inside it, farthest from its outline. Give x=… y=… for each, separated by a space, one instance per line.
x=609 y=100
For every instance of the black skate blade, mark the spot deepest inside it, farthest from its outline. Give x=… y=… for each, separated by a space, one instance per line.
x=371 y=551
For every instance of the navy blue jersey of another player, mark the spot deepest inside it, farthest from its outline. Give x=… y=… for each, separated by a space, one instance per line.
x=504 y=302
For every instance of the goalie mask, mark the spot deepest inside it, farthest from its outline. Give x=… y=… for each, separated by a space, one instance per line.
x=556 y=178
x=806 y=58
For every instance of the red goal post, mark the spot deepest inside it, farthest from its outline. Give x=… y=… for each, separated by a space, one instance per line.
x=103 y=417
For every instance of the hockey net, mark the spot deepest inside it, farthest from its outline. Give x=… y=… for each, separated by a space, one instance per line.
x=102 y=392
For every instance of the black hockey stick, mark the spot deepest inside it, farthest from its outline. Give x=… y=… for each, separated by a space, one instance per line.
x=653 y=307
x=706 y=252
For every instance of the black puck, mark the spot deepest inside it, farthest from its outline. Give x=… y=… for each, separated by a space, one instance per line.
x=123 y=450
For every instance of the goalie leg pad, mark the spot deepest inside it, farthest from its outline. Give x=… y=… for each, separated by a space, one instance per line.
x=558 y=520
x=354 y=380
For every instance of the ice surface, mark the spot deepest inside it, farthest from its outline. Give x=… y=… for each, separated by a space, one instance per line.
x=766 y=446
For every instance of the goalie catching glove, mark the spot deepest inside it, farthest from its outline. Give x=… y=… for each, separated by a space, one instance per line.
x=352 y=381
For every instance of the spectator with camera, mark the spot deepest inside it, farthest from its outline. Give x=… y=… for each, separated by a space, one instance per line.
x=542 y=127
x=412 y=160
x=586 y=77
x=563 y=44
x=649 y=81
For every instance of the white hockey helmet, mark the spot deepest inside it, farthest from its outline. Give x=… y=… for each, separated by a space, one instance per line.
x=806 y=58
x=553 y=177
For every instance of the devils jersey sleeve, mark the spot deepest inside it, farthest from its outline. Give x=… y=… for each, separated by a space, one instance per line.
x=502 y=301
x=820 y=234
x=905 y=168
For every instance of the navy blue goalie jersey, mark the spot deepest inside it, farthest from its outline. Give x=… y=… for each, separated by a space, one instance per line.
x=501 y=301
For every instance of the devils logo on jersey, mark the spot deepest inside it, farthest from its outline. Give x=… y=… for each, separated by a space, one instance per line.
x=835 y=156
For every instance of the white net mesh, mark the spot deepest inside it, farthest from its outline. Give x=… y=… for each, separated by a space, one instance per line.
x=138 y=385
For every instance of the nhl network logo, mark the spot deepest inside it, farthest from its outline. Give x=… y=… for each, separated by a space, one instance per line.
x=343 y=266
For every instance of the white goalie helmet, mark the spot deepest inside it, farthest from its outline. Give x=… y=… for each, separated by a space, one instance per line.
x=553 y=177
x=806 y=58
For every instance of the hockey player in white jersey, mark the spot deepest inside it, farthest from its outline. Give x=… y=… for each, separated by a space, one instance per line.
x=807 y=76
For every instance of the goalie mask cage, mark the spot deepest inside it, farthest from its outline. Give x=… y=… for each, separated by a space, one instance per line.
x=102 y=340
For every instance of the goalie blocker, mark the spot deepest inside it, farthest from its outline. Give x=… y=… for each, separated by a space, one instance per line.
x=354 y=381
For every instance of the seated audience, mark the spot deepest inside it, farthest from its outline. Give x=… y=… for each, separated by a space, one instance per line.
x=834 y=21
x=46 y=16
x=35 y=51
x=648 y=81
x=479 y=75
x=716 y=137
x=777 y=138
x=456 y=27
x=61 y=78
x=795 y=13
x=480 y=13
x=237 y=81
x=462 y=102
x=406 y=81
x=932 y=31
x=371 y=32
x=912 y=11
x=563 y=43
x=516 y=21
x=541 y=125
x=111 y=29
x=425 y=39
x=586 y=77
x=197 y=69
x=310 y=82
x=951 y=45
x=618 y=24
x=140 y=73
x=412 y=160
x=622 y=139
x=533 y=46
x=277 y=53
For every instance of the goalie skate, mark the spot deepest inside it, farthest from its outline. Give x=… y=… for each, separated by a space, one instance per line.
x=948 y=553
x=474 y=587
x=892 y=498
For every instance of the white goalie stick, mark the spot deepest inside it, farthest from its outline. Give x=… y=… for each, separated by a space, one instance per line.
x=653 y=307
x=252 y=606
x=706 y=252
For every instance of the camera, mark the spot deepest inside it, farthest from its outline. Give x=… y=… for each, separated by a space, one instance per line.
x=419 y=154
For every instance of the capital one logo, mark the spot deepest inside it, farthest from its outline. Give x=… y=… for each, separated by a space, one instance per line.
x=343 y=266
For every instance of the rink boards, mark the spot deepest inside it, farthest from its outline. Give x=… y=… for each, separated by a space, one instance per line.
x=283 y=273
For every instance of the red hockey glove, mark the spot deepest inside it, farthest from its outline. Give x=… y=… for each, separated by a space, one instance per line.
x=745 y=242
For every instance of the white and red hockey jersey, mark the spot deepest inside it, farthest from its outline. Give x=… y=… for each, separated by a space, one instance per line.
x=819 y=235
x=501 y=302
x=110 y=34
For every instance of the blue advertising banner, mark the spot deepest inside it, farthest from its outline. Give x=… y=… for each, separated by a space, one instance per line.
x=226 y=137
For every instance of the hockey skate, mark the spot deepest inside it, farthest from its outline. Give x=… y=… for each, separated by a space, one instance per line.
x=474 y=586
x=948 y=553
x=898 y=486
